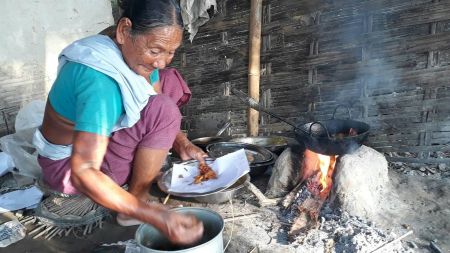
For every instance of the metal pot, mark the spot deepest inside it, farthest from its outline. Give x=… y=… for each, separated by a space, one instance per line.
x=150 y=240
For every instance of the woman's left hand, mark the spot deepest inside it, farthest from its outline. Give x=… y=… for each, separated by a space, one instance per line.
x=191 y=151
x=186 y=150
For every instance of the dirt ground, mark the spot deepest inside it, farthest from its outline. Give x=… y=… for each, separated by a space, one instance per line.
x=423 y=205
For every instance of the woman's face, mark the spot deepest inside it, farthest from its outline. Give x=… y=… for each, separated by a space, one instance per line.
x=149 y=51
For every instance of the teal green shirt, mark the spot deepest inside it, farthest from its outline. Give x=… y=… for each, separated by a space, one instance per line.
x=87 y=97
x=154 y=76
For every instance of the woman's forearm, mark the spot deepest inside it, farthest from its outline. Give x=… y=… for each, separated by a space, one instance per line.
x=87 y=156
x=180 y=143
x=104 y=191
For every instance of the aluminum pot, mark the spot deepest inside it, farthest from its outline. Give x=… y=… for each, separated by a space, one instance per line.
x=150 y=240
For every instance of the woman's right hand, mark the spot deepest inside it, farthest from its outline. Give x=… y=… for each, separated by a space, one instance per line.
x=182 y=229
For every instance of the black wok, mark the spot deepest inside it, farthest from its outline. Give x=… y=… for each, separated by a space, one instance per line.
x=329 y=137
x=332 y=137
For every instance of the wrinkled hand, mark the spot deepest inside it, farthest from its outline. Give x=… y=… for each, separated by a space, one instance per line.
x=191 y=151
x=182 y=229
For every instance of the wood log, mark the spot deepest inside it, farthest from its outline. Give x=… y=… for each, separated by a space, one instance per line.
x=309 y=208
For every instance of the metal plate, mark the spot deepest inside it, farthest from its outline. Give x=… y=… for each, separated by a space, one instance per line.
x=166 y=178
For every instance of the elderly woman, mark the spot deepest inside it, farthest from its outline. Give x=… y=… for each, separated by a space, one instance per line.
x=106 y=126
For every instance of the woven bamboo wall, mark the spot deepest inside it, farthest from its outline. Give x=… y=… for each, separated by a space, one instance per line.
x=388 y=59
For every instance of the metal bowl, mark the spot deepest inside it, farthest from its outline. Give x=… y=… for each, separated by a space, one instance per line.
x=273 y=143
x=255 y=154
x=259 y=169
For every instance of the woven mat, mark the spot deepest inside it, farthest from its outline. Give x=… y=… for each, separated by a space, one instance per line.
x=61 y=214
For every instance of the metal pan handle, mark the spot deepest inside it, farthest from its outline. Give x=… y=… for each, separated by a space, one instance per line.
x=322 y=125
x=345 y=106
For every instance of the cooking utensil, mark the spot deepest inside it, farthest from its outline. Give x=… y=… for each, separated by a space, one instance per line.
x=202 y=142
x=150 y=240
x=329 y=137
x=165 y=180
x=255 y=154
x=260 y=158
x=223 y=128
x=273 y=143
x=225 y=195
x=218 y=196
x=323 y=136
x=260 y=168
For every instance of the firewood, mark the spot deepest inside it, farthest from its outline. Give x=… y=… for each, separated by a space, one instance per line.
x=290 y=197
x=309 y=206
x=378 y=249
x=307 y=218
x=262 y=200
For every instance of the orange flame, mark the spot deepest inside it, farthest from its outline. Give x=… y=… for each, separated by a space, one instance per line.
x=326 y=165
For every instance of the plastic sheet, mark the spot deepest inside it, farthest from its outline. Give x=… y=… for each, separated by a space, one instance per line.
x=11 y=232
x=19 y=144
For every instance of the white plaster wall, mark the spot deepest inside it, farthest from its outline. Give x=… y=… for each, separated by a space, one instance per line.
x=33 y=34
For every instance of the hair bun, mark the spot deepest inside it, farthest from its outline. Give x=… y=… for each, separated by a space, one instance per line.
x=124 y=4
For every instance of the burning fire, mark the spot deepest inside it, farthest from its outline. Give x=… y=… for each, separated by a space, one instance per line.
x=317 y=171
x=326 y=165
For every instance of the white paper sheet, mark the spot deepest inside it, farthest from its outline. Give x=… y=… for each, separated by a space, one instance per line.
x=229 y=168
x=19 y=199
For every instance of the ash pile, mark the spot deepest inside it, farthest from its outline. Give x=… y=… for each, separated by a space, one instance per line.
x=339 y=232
x=345 y=219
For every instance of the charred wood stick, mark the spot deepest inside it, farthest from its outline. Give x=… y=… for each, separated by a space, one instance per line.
x=241 y=217
x=308 y=216
x=254 y=248
x=290 y=197
x=391 y=242
x=262 y=200
x=435 y=247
